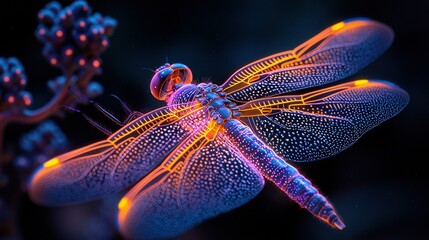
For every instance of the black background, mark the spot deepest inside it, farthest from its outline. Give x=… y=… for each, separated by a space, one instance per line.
x=379 y=185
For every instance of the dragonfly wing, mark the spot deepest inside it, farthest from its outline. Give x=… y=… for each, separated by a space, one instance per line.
x=114 y=164
x=333 y=54
x=210 y=178
x=322 y=123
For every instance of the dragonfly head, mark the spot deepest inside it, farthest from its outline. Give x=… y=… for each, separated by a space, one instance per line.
x=168 y=78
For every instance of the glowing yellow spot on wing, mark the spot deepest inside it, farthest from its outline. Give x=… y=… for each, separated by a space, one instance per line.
x=337 y=26
x=361 y=82
x=124 y=206
x=51 y=163
x=123 y=203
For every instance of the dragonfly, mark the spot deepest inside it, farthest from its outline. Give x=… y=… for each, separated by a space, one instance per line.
x=212 y=147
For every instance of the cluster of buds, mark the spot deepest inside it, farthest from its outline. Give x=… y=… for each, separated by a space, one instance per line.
x=73 y=39
x=12 y=82
x=92 y=90
x=73 y=36
x=38 y=146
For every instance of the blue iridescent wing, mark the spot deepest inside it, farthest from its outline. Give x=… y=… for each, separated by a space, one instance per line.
x=204 y=177
x=333 y=54
x=116 y=163
x=322 y=123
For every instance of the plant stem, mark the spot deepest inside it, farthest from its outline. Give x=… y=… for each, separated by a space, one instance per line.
x=28 y=116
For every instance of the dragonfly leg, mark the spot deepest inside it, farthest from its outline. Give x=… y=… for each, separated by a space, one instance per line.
x=94 y=123
x=131 y=115
x=286 y=177
x=105 y=112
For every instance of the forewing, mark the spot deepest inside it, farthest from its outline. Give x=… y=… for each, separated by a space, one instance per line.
x=116 y=163
x=333 y=54
x=322 y=123
x=210 y=178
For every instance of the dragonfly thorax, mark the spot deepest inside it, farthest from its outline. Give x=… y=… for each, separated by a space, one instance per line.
x=182 y=94
x=220 y=109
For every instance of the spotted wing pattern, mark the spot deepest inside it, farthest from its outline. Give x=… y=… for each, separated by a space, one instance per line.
x=322 y=123
x=331 y=55
x=184 y=167
x=118 y=162
x=209 y=178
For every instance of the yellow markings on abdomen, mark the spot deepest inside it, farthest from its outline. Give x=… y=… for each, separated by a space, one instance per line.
x=338 y=26
x=51 y=163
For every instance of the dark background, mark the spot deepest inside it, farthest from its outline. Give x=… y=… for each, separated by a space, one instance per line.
x=379 y=185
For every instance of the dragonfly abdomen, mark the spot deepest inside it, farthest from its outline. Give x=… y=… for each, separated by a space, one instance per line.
x=285 y=176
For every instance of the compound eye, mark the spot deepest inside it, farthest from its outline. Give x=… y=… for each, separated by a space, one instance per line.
x=158 y=81
x=169 y=78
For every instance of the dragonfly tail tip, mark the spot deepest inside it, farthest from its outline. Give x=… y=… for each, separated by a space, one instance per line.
x=337 y=223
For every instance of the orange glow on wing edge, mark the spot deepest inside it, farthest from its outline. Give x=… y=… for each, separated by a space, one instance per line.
x=123 y=203
x=338 y=26
x=51 y=163
x=124 y=206
x=361 y=82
